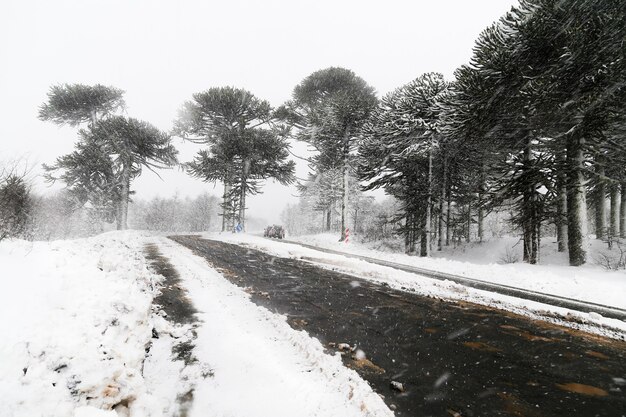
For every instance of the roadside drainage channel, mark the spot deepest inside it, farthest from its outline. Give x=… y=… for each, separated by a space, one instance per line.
x=564 y=302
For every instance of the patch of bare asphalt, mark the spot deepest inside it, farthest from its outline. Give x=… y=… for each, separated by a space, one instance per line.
x=446 y=358
x=173 y=298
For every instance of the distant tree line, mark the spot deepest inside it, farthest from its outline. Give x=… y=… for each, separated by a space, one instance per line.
x=175 y=214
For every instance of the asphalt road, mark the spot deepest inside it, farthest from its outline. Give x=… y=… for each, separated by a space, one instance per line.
x=453 y=359
x=569 y=303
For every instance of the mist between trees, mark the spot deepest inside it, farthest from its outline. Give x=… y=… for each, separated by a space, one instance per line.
x=527 y=132
x=56 y=216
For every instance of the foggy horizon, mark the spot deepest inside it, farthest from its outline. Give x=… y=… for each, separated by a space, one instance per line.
x=162 y=53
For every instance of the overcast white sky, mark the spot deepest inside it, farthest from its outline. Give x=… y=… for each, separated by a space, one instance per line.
x=161 y=52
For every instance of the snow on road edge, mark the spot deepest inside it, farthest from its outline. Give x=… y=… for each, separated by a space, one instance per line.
x=257 y=357
x=482 y=261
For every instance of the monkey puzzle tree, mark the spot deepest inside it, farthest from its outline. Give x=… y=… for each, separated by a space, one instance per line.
x=240 y=154
x=399 y=147
x=329 y=107
x=87 y=171
x=108 y=156
x=131 y=144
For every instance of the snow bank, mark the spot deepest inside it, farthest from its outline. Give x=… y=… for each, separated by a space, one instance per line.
x=483 y=261
x=75 y=325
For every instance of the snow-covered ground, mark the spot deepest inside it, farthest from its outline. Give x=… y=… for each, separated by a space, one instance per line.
x=78 y=338
x=588 y=283
x=75 y=323
x=484 y=261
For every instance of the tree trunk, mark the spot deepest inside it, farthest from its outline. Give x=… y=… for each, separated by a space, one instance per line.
x=344 y=200
x=614 y=228
x=442 y=198
x=529 y=208
x=407 y=233
x=468 y=238
x=534 y=254
x=481 y=198
x=225 y=206
x=424 y=241
x=328 y=222
x=526 y=243
x=125 y=196
x=425 y=247
x=600 y=203
x=538 y=240
x=576 y=201
x=242 y=208
x=242 y=197
x=622 y=212
x=529 y=228
x=448 y=211
x=561 y=204
x=481 y=219
x=118 y=215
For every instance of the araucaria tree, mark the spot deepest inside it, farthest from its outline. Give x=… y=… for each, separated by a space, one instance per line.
x=87 y=172
x=328 y=109
x=110 y=152
x=131 y=144
x=242 y=150
x=401 y=145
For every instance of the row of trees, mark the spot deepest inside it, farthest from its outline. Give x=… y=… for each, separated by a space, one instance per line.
x=26 y=215
x=244 y=147
x=533 y=124
x=368 y=219
x=539 y=110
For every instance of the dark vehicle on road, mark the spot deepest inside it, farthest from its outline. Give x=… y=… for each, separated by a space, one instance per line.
x=274 y=231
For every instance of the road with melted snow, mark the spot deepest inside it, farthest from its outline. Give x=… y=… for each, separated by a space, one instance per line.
x=452 y=358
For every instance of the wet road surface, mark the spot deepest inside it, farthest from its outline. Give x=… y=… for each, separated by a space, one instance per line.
x=453 y=359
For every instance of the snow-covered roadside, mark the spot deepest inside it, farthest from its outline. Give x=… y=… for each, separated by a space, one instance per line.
x=482 y=261
x=75 y=324
x=81 y=337
x=590 y=322
x=260 y=365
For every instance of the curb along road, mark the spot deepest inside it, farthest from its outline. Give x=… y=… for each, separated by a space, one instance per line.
x=554 y=300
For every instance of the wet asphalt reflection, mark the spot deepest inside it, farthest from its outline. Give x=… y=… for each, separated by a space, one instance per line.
x=453 y=359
